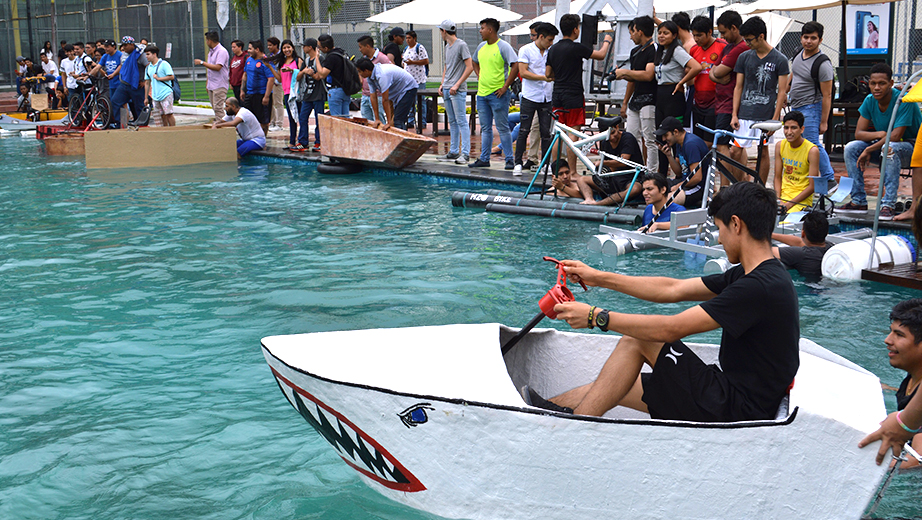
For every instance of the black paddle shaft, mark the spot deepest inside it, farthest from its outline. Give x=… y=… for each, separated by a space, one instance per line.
x=525 y=330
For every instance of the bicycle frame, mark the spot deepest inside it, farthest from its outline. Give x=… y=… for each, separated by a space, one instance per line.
x=561 y=138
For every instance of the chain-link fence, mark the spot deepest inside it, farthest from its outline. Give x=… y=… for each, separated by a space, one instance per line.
x=178 y=26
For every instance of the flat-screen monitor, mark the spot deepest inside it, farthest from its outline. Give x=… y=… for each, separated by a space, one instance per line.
x=867 y=31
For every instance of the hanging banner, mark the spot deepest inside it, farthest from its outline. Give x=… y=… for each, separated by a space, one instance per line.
x=222 y=12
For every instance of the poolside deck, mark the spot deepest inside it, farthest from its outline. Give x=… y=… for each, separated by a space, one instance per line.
x=905 y=275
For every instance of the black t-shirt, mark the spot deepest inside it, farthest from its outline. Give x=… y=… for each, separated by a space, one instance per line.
x=335 y=65
x=807 y=260
x=393 y=48
x=566 y=60
x=644 y=91
x=902 y=400
x=759 y=352
x=627 y=145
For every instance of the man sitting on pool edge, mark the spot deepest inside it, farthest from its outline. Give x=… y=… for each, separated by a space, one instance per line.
x=754 y=302
x=248 y=127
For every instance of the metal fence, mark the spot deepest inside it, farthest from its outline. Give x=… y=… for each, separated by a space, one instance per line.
x=25 y=25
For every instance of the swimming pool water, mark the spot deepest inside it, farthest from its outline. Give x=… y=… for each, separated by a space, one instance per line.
x=131 y=380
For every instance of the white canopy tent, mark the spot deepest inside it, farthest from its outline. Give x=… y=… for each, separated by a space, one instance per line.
x=551 y=15
x=764 y=6
x=662 y=6
x=432 y=12
x=776 y=24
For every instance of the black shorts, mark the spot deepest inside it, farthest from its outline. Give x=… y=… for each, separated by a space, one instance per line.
x=693 y=199
x=254 y=103
x=611 y=184
x=722 y=122
x=684 y=388
x=706 y=117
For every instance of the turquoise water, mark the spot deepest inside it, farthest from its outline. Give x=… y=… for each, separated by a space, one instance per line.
x=131 y=379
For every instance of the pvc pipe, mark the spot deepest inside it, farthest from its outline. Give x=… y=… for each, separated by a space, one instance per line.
x=594 y=213
x=562 y=213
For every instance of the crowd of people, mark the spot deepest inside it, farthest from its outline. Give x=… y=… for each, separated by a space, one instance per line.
x=678 y=76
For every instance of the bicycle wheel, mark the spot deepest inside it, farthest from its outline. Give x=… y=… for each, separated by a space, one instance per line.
x=102 y=112
x=75 y=112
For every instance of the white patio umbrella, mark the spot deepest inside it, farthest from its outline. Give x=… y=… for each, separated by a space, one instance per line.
x=551 y=16
x=432 y=12
x=763 y=6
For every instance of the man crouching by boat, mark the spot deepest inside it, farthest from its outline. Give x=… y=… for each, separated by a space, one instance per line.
x=755 y=303
x=249 y=129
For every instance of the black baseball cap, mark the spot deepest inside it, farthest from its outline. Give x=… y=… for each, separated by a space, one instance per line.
x=670 y=124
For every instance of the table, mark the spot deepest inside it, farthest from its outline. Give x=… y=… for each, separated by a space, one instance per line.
x=434 y=94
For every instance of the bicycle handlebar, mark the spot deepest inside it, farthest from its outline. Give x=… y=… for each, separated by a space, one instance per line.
x=727 y=133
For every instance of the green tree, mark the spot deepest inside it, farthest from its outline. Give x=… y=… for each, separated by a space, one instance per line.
x=296 y=11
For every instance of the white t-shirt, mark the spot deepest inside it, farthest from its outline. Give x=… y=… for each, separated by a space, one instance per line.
x=69 y=66
x=50 y=69
x=533 y=90
x=249 y=128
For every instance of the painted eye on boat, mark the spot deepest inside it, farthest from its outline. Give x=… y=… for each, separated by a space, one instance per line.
x=415 y=415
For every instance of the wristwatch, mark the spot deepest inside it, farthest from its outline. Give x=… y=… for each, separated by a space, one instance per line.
x=601 y=320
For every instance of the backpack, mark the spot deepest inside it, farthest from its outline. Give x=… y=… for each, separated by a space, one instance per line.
x=417 y=54
x=352 y=83
x=815 y=70
x=177 y=92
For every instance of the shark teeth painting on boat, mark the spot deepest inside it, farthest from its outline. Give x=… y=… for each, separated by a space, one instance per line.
x=354 y=446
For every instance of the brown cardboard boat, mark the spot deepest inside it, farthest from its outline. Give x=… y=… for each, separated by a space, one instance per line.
x=65 y=143
x=160 y=146
x=356 y=140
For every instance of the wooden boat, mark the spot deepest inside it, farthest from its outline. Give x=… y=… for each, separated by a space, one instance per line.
x=69 y=143
x=44 y=115
x=355 y=140
x=430 y=417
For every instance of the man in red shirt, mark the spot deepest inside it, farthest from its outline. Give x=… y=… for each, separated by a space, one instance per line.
x=706 y=51
x=237 y=63
x=728 y=25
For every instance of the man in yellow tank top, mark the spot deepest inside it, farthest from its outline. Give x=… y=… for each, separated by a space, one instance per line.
x=796 y=159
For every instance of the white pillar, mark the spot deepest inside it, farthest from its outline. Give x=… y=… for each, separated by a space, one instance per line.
x=644 y=7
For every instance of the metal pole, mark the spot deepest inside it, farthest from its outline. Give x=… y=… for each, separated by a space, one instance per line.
x=150 y=17
x=54 y=26
x=192 y=51
x=29 y=26
x=262 y=30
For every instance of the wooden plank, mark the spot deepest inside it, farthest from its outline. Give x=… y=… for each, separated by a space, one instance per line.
x=903 y=275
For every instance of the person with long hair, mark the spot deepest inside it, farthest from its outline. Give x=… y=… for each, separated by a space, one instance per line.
x=288 y=64
x=673 y=67
x=47 y=50
x=873 y=36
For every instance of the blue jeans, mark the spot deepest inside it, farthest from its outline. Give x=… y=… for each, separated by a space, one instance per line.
x=368 y=114
x=304 y=117
x=339 y=102
x=455 y=111
x=492 y=108
x=402 y=108
x=812 y=115
x=891 y=178
x=514 y=121
x=412 y=117
x=123 y=94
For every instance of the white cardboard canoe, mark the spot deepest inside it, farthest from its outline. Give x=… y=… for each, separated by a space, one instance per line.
x=430 y=417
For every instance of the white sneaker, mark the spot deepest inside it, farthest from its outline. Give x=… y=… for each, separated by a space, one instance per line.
x=462 y=159
x=275 y=128
x=517 y=171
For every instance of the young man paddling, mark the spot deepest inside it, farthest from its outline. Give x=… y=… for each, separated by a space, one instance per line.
x=755 y=303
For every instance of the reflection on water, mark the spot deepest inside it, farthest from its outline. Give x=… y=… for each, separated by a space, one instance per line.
x=134 y=301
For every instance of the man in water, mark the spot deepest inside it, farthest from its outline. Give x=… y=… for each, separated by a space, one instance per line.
x=249 y=128
x=805 y=252
x=755 y=303
x=655 y=190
